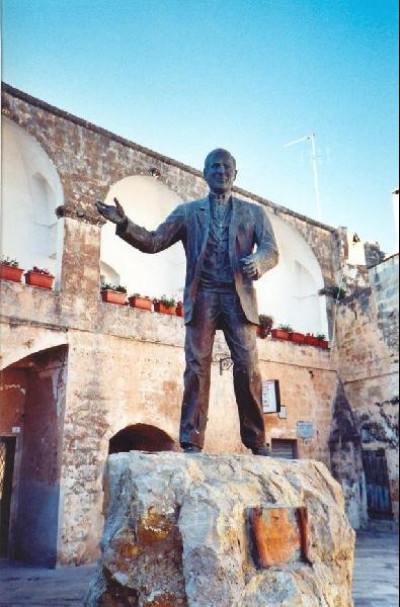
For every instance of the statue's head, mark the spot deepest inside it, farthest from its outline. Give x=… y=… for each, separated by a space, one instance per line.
x=220 y=171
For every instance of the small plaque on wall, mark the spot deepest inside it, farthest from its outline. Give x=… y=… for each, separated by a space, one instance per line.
x=271 y=397
x=278 y=535
x=305 y=430
x=283 y=412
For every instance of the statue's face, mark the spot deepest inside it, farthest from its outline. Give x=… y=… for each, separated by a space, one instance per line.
x=220 y=172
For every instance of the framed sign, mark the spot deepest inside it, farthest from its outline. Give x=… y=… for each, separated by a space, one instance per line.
x=283 y=412
x=305 y=430
x=271 y=397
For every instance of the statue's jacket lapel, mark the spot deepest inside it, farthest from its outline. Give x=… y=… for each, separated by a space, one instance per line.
x=241 y=244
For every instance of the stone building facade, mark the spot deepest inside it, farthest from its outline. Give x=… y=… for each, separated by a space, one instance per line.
x=365 y=431
x=78 y=373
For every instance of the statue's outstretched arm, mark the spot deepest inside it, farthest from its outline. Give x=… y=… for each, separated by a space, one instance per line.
x=168 y=233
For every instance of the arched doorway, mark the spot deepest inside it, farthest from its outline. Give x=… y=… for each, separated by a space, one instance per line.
x=141 y=437
x=32 y=403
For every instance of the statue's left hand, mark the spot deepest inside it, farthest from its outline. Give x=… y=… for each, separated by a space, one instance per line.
x=250 y=267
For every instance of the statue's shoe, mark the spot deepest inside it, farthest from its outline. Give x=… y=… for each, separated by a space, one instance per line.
x=191 y=449
x=264 y=450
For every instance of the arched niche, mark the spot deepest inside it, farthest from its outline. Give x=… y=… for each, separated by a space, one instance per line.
x=147 y=202
x=289 y=292
x=31 y=192
x=141 y=437
x=108 y=274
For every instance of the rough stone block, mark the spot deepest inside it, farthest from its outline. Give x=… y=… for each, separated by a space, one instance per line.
x=178 y=533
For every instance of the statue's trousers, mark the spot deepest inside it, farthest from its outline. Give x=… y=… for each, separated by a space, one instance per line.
x=223 y=311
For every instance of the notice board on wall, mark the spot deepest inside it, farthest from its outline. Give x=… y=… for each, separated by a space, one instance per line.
x=271 y=397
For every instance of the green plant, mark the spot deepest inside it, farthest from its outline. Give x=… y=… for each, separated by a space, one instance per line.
x=321 y=336
x=338 y=293
x=168 y=302
x=266 y=323
x=287 y=328
x=141 y=296
x=7 y=261
x=334 y=292
x=43 y=271
x=108 y=286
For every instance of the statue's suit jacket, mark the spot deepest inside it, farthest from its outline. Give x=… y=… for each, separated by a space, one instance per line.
x=190 y=223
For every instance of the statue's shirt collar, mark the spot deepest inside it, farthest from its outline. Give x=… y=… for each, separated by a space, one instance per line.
x=220 y=198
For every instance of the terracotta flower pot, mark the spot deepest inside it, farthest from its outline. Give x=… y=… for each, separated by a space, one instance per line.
x=11 y=273
x=115 y=297
x=322 y=343
x=297 y=338
x=311 y=340
x=180 y=311
x=36 y=279
x=163 y=309
x=280 y=334
x=262 y=332
x=142 y=303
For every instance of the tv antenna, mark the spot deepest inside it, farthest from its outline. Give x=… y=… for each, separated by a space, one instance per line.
x=311 y=138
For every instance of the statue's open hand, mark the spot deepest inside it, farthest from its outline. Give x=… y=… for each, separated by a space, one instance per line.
x=250 y=267
x=116 y=213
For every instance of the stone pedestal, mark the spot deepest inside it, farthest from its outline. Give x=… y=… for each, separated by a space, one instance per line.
x=222 y=531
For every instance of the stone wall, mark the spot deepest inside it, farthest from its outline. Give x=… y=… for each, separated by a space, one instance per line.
x=366 y=356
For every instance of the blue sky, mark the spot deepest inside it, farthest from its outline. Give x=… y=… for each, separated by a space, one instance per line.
x=184 y=76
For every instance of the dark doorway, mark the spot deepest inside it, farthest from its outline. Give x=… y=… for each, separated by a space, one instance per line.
x=7 y=452
x=378 y=486
x=141 y=437
x=33 y=528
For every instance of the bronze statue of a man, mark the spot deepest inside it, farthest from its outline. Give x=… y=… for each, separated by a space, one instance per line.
x=229 y=243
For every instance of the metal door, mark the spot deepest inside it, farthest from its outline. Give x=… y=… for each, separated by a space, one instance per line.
x=7 y=452
x=378 y=486
x=284 y=448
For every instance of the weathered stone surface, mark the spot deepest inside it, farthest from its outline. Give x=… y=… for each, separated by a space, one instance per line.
x=367 y=356
x=177 y=533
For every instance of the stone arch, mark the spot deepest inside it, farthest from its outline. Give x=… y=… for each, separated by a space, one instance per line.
x=141 y=437
x=32 y=406
x=289 y=292
x=108 y=274
x=21 y=342
x=31 y=193
x=148 y=202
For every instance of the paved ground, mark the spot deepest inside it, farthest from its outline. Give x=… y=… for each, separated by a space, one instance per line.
x=376 y=571
x=33 y=587
x=376 y=578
